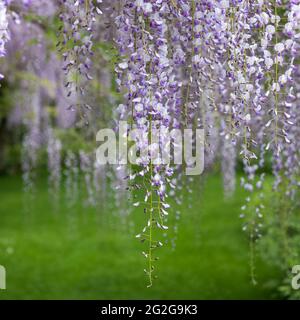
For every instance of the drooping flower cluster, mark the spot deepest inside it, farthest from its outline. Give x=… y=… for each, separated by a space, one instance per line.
x=76 y=34
x=147 y=74
x=226 y=66
x=4 y=36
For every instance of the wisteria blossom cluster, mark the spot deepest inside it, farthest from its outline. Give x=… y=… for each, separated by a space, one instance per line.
x=76 y=34
x=229 y=67
x=4 y=36
x=225 y=66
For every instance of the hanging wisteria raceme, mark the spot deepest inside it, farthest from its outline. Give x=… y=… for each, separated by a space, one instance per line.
x=288 y=82
x=4 y=36
x=86 y=168
x=54 y=167
x=76 y=35
x=246 y=100
x=147 y=74
x=71 y=174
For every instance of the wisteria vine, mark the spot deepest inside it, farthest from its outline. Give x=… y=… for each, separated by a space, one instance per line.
x=229 y=67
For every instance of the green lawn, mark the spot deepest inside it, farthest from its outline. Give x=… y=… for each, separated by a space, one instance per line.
x=90 y=254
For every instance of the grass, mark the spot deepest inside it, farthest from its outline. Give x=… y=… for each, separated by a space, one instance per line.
x=84 y=253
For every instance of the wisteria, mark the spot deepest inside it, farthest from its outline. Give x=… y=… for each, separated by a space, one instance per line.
x=76 y=35
x=230 y=62
x=4 y=35
x=229 y=67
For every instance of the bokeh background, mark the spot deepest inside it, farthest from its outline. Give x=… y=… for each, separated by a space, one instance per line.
x=91 y=253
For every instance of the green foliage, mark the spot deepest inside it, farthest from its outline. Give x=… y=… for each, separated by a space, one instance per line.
x=279 y=245
x=73 y=141
x=5 y=100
